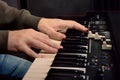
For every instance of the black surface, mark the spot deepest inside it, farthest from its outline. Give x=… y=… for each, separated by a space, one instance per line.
x=114 y=23
x=53 y=8
x=13 y=3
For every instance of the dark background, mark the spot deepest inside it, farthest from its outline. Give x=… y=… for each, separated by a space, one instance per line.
x=53 y=8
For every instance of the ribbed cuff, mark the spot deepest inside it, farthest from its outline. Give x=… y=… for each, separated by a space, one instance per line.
x=3 y=40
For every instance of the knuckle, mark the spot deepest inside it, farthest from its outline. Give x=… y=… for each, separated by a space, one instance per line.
x=19 y=45
x=74 y=22
x=21 y=37
x=47 y=36
x=49 y=49
x=31 y=29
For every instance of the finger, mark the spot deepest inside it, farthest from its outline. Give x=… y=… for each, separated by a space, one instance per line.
x=40 y=45
x=29 y=51
x=45 y=39
x=78 y=26
x=57 y=36
x=75 y=25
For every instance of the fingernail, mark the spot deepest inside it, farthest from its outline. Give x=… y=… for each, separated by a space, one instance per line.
x=64 y=36
x=86 y=29
x=61 y=46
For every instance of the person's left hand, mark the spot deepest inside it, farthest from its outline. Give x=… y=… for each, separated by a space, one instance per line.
x=51 y=26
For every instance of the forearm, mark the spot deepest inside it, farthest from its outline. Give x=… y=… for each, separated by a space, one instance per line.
x=20 y=18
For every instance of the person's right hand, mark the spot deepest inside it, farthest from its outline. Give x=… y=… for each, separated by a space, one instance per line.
x=24 y=40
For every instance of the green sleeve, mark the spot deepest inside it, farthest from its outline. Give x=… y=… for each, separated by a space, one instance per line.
x=20 y=18
x=11 y=16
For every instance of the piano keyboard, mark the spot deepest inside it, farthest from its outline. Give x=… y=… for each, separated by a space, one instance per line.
x=85 y=56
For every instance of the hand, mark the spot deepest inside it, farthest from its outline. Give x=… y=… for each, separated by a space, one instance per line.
x=51 y=26
x=24 y=40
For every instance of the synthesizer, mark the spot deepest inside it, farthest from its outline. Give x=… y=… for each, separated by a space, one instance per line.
x=85 y=56
x=89 y=55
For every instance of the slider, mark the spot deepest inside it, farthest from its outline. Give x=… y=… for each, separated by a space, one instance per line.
x=106 y=46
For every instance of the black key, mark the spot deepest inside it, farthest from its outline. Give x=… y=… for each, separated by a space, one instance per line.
x=65 y=74
x=70 y=59
x=73 y=32
x=70 y=56
x=72 y=51
x=77 y=37
x=74 y=42
x=77 y=34
x=66 y=71
x=82 y=39
x=67 y=64
x=74 y=46
x=62 y=77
